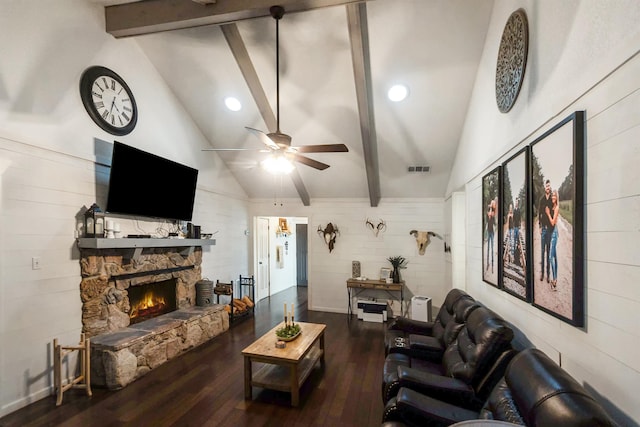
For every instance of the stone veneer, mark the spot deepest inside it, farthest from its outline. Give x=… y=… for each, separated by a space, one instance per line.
x=121 y=353
x=120 y=357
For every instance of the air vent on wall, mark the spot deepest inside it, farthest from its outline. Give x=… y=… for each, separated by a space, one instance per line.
x=418 y=169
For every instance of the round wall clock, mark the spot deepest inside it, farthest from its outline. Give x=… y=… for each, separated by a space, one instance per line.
x=512 y=60
x=108 y=100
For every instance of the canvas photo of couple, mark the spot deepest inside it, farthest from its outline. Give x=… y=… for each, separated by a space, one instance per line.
x=557 y=217
x=532 y=222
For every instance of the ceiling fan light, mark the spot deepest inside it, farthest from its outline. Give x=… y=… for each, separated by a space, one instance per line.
x=232 y=103
x=398 y=93
x=277 y=165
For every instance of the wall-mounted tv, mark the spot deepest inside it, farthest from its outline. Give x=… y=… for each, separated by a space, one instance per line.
x=143 y=184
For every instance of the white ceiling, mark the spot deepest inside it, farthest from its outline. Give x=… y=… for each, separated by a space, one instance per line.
x=432 y=46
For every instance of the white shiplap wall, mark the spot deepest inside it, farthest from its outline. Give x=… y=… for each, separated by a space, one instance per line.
x=50 y=156
x=42 y=196
x=596 y=68
x=227 y=218
x=42 y=192
x=328 y=272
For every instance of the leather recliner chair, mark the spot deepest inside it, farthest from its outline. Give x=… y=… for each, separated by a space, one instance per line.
x=470 y=366
x=401 y=327
x=534 y=391
x=431 y=348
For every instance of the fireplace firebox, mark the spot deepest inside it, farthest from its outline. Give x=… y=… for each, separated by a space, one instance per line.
x=152 y=299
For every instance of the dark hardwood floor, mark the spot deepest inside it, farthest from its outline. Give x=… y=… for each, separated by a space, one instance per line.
x=204 y=387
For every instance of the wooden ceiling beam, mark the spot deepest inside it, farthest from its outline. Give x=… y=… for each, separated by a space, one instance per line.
x=153 y=16
x=241 y=55
x=359 y=37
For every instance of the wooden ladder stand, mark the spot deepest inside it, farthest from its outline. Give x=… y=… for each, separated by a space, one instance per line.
x=81 y=381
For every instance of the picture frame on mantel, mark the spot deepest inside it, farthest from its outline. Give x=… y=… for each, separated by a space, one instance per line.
x=557 y=214
x=514 y=225
x=490 y=230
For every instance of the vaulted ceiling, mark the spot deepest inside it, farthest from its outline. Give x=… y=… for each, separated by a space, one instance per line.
x=338 y=58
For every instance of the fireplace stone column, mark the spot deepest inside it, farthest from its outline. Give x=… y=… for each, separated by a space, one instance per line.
x=120 y=352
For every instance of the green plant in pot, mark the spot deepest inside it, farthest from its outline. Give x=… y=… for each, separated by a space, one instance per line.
x=397 y=262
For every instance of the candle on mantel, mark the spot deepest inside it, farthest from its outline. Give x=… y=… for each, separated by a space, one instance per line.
x=292 y=317
x=285 y=314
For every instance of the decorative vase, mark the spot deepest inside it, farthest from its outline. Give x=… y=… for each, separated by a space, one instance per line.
x=355 y=269
x=396 y=275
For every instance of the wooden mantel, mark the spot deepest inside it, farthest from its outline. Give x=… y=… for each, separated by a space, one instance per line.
x=139 y=244
x=103 y=243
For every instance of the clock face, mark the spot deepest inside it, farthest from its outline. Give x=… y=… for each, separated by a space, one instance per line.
x=108 y=100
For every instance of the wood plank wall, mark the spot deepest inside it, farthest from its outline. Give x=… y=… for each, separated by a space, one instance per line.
x=605 y=355
x=42 y=197
x=328 y=271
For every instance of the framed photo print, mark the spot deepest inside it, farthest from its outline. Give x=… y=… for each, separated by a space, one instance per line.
x=490 y=229
x=385 y=274
x=514 y=225
x=557 y=187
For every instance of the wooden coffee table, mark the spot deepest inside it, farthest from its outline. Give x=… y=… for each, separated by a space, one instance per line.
x=284 y=369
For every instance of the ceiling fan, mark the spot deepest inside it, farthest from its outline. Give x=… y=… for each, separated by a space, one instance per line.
x=278 y=143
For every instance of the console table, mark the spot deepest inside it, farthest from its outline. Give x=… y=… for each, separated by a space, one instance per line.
x=355 y=287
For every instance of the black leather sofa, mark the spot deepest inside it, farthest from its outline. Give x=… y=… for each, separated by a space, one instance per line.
x=534 y=391
x=470 y=367
x=402 y=326
x=428 y=340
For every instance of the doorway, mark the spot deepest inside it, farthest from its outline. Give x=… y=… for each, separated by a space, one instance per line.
x=262 y=258
x=301 y=255
x=280 y=257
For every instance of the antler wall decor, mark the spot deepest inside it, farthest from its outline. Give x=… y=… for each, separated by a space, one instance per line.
x=423 y=238
x=381 y=226
x=329 y=235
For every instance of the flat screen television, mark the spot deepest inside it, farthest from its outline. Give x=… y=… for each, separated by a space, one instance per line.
x=143 y=184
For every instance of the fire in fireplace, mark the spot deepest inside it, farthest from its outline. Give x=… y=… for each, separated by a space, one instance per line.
x=152 y=299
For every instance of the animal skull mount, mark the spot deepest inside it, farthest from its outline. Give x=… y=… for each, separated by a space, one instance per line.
x=381 y=226
x=423 y=238
x=329 y=235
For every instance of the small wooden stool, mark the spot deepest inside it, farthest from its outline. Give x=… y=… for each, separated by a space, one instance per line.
x=81 y=381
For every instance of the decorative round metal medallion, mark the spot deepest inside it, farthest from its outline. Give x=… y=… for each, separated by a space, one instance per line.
x=512 y=60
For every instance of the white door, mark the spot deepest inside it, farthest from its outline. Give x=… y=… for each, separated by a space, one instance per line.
x=262 y=246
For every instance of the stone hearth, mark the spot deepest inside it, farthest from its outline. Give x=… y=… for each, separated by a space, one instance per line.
x=118 y=358
x=120 y=352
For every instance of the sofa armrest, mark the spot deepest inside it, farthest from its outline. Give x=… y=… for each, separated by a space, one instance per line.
x=416 y=409
x=425 y=347
x=451 y=390
x=412 y=326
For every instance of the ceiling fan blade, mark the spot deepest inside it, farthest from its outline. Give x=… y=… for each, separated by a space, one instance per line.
x=310 y=162
x=326 y=148
x=262 y=150
x=264 y=138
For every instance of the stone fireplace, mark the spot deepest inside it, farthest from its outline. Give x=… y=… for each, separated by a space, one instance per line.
x=139 y=308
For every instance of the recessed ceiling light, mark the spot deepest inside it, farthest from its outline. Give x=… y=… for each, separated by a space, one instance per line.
x=397 y=93
x=232 y=103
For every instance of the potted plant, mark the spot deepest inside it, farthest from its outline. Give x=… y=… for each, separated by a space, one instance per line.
x=397 y=262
